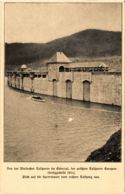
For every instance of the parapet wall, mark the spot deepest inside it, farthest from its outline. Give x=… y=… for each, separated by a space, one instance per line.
x=102 y=88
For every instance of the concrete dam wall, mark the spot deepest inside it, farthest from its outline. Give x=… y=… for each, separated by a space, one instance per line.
x=98 y=87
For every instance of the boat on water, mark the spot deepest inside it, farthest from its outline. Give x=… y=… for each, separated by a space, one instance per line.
x=38 y=98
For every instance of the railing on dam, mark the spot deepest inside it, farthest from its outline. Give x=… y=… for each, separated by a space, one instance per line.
x=27 y=74
x=83 y=69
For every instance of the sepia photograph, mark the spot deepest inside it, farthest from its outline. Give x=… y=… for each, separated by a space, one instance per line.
x=63 y=82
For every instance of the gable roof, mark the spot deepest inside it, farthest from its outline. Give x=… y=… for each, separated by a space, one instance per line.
x=59 y=57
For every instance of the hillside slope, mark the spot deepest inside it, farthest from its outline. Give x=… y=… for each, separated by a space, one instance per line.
x=110 y=152
x=87 y=43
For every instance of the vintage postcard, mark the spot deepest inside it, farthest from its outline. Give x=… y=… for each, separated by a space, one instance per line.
x=62 y=99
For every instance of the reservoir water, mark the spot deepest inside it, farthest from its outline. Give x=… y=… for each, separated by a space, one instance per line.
x=55 y=130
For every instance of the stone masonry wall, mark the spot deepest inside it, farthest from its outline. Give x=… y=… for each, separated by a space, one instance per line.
x=104 y=88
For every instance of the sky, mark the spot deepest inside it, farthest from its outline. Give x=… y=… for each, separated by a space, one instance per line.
x=43 y=22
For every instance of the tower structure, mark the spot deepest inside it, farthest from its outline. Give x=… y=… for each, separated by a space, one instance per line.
x=59 y=60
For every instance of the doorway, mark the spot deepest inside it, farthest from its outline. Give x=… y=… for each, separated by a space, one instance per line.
x=54 y=87
x=86 y=91
x=69 y=89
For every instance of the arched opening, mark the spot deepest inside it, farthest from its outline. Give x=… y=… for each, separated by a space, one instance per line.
x=61 y=69
x=68 y=89
x=86 y=91
x=54 y=87
x=43 y=76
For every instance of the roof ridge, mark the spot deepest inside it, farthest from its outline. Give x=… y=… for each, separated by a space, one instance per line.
x=59 y=57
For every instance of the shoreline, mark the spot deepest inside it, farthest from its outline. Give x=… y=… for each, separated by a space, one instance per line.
x=86 y=105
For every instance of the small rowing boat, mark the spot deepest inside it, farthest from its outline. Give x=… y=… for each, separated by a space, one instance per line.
x=38 y=99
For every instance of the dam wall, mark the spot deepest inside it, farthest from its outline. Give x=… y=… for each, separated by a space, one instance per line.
x=98 y=87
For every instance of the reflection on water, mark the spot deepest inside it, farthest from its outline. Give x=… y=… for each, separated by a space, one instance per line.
x=55 y=130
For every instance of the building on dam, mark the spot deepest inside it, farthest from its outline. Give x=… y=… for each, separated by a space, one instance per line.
x=60 y=77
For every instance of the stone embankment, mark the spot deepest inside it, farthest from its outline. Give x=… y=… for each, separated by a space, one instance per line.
x=110 y=152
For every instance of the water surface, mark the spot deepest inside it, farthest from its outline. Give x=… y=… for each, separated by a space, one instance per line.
x=54 y=130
